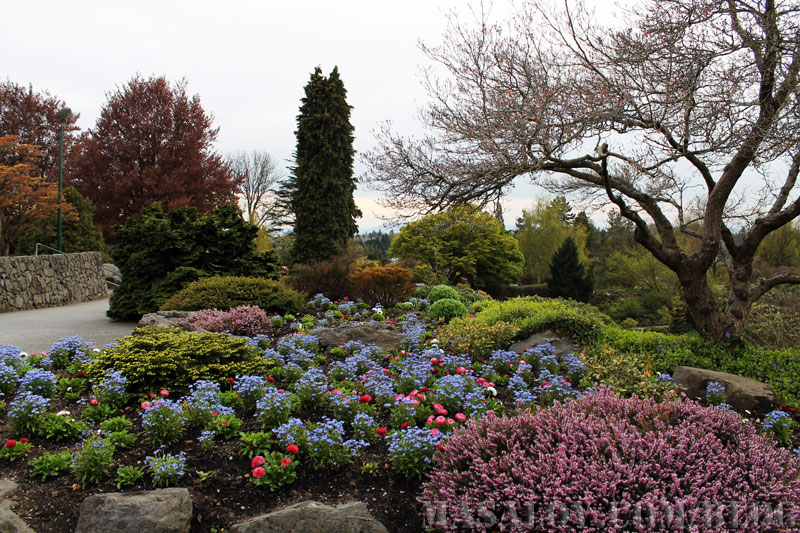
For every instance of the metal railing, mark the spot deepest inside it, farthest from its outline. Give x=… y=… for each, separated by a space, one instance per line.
x=108 y=270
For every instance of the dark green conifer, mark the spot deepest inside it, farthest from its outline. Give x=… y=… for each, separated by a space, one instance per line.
x=568 y=276
x=322 y=186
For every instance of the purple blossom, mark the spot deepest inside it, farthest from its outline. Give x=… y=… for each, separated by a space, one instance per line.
x=608 y=456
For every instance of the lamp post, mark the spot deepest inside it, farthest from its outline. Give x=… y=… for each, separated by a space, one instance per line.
x=63 y=115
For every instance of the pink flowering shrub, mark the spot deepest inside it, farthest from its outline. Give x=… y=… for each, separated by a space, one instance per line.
x=246 y=320
x=609 y=464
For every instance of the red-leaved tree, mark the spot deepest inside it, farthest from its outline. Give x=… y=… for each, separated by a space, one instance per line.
x=31 y=116
x=25 y=198
x=152 y=142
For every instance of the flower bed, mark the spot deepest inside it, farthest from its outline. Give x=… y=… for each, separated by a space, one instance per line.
x=353 y=422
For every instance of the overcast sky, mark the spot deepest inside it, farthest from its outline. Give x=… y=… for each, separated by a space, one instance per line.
x=247 y=60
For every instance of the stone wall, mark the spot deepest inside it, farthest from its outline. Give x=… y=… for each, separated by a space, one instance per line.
x=32 y=282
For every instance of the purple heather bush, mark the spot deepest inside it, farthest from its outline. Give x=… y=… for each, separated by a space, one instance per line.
x=611 y=464
x=245 y=320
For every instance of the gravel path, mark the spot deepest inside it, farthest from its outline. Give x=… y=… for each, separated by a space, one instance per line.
x=36 y=330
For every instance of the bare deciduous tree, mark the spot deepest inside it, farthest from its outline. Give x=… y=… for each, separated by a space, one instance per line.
x=676 y=117
x=260 y=179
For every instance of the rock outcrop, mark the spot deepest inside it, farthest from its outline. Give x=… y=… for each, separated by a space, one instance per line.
x=314 y=517
x=377 y=333
x=154 y=511
x=9 y=521
x=743 y=394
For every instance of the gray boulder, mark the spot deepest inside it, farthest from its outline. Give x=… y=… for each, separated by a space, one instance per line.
x=740 y=392
x=10 y=522
x=561 y=346
x=314 y=517
x=178 y=319
x=376 y=333
x=154 y=511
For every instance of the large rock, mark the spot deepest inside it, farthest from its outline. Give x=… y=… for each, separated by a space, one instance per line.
x=10 y=522
x=314 y=517
x=561 y=346
x=155 y=511
x=376 y=333
x=178 y=319
x=740 y=392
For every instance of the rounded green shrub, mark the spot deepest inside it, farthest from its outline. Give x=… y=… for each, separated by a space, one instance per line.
x=170 y=358
x=478 y=339
x=447 y=308
x=227 y=292
x=440 y=292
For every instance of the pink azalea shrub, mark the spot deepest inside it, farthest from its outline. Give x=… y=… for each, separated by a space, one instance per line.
x=607 y=464
x=245 y=320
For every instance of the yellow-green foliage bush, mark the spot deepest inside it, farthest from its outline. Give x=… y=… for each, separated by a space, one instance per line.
x=170 y=358
x=532 y=314
x=227 y=292
x=478 y=339
x=447 y=309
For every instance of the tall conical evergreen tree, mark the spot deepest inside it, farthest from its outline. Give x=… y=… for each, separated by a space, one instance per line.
x=322 y=185
x=568 y=278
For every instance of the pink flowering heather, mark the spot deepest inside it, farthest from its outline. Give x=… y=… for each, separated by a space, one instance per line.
x=608 y=464
x=244 y=320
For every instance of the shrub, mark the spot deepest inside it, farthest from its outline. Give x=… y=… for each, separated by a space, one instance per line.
x=515 y=291
x=244 y=320
x=660 y=453
x=385 y=285
x=227 y=292
x=175 y=281
x=468 y=295
x=439 y=292
x=773 y=326
x=172 y=359
x=478 y=339
x=331 y=278
x=153 y=245
x=581 y=321
x=446 y=309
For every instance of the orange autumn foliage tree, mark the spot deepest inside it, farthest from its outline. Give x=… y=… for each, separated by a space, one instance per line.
x=25 y=197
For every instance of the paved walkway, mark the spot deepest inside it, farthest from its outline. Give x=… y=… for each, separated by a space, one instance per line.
x=37 y=329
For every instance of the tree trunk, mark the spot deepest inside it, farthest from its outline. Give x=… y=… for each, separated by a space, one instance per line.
x=708 y=318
